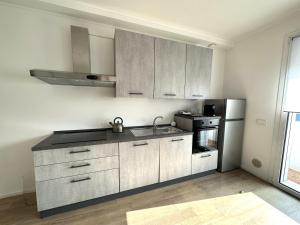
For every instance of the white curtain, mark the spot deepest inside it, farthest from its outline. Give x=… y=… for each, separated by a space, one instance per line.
x=292 y=96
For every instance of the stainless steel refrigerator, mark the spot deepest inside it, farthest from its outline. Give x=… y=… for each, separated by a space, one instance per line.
x=230 y=140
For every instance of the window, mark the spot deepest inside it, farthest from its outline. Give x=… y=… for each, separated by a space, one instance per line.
x=290 y=168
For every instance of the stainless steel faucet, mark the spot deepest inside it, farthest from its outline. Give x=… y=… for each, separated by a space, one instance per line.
x=154 y=121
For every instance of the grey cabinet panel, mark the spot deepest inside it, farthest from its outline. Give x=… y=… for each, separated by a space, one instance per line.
x=175 y=157
x=204 y=161
x=65 y=191
x=61 y=155
x=134 y=60
x=139 y=163
x=198 y=72
x=67 y=169
x=170 y=60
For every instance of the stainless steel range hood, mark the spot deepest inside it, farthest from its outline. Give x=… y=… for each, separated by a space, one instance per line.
x=81 y=75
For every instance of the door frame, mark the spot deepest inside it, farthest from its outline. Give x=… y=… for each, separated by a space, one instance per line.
x=281 y=120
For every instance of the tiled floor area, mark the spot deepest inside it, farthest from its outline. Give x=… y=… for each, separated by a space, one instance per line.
x=22 y=209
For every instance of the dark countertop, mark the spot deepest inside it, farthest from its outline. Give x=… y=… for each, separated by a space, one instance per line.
x=101 y=136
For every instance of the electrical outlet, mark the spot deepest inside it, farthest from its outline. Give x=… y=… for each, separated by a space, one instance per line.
x=261 y=122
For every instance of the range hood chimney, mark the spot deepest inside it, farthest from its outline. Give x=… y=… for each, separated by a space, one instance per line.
x=81 y=75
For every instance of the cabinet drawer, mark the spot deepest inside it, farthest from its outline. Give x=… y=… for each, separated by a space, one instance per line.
x=52 y=156
x=54 y=171
x=65 y=191
x=204 y=161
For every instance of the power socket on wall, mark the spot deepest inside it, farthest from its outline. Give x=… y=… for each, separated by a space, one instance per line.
x=261 y=122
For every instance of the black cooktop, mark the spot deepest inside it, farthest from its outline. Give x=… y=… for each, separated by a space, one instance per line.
x=79 y=136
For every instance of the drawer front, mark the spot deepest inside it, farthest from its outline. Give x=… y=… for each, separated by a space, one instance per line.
x=205 y=161
x=65 y=191
x=55 y=171
x=52 y=156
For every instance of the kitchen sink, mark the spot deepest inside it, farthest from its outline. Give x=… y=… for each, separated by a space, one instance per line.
x=139 y=132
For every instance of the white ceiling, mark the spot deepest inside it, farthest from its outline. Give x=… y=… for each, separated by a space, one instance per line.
x=227 y=19
x=218 y=21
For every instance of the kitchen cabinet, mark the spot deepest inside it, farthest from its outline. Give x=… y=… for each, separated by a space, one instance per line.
x=175 y=157
x=134 y=62
x=204 y=161
x=82 y=173
x=139 y=163
x=198 y=72
x=170 y=60
x=79 y=173
x=154 y=67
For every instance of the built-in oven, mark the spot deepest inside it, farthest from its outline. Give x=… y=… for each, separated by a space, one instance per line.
x=206 y=139
x=205 y=130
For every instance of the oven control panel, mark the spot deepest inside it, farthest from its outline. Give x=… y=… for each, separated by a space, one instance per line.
x=206 y=122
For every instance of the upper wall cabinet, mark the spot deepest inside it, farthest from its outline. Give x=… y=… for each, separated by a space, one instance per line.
x=198 y=72
x=134 y=55
x=170 y=59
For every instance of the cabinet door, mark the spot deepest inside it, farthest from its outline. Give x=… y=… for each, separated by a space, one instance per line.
x=175 y=157
x=198 y=72
x=170 y=59
x=134 y=54
x=139 y=163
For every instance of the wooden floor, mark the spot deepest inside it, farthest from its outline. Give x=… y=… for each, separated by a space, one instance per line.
x=237 y=209
x=22 y=209
x=294 y=175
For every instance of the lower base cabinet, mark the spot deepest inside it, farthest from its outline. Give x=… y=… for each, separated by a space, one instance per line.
x=124 y=166
x=68 y=190
x=139 y=163
x=204 y=161
x=175 y=157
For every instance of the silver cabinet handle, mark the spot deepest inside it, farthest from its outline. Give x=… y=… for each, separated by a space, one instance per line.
x=79 y=180
x=81 y=165
x=181 y=139
x=169 y=94
x=136 y=145
x=197 y=96
x=80 y=151
x=205 y=156
x=135 y=93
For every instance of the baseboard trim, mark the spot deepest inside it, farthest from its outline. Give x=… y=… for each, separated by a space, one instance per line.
x=14 y=194
x=50 y=212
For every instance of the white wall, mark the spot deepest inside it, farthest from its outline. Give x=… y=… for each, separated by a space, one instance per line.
x=31 y=109
x=252 y=71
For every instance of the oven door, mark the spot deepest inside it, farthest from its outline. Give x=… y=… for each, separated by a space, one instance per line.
x=206 y=137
